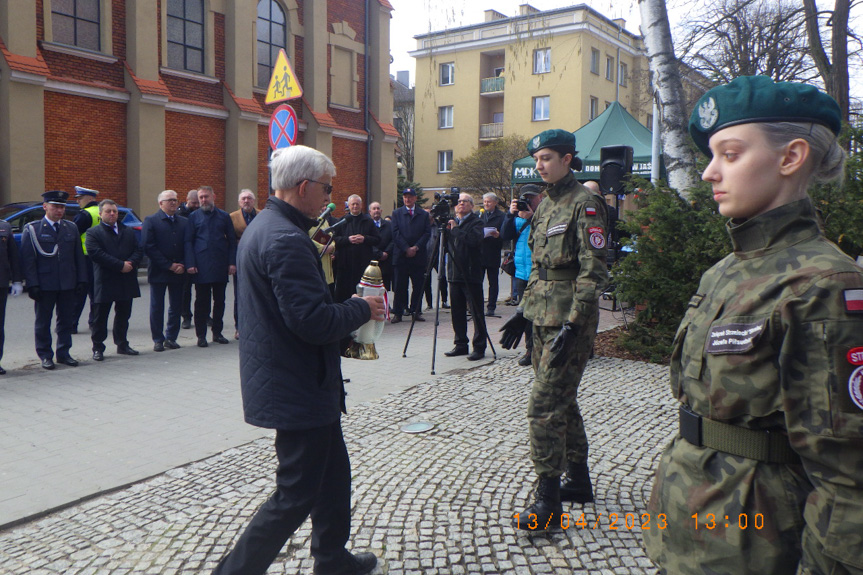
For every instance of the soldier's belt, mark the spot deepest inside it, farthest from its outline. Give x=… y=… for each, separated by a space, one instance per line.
x=759 y=444
x=557 y=275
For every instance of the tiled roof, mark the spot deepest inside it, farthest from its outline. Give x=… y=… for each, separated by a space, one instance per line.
x=27 y=64
x=387 y=129
x=154 y=87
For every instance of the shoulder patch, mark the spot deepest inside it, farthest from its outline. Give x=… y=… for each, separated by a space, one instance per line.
x=854 y=300
x=590 y=211
x=855 y=387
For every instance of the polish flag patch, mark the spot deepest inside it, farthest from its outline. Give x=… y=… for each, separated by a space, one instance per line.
x=590 y=211
x=854 y=300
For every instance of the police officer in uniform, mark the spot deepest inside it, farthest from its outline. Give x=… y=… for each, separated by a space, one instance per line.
x=87 y=218
x=567 y=242
x=766 y=473
x=53 y=263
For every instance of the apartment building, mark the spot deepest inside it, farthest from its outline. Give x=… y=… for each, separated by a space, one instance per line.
x=132 y=97
x=520 y=75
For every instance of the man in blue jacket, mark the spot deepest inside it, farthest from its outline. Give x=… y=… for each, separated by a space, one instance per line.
x=411 y=232
x=165 y=235
x=291 y=375
x=211 y=256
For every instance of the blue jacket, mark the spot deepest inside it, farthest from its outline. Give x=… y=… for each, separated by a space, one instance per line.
x=290 y=366
x=408 y=232
x=212 y=247
x=61 y=272
x=165 y=244
x=522 y=257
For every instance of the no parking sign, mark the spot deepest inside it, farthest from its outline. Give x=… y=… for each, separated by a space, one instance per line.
x=283 y=127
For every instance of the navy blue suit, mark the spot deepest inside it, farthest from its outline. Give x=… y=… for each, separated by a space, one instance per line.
x=212 y=248
x=165 y=244
x=57 y=274
x=409 y=231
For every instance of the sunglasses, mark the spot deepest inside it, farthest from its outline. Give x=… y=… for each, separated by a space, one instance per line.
x=327 y=187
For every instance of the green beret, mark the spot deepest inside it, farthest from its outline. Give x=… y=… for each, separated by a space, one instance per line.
x=551 y=139
x=749 y=99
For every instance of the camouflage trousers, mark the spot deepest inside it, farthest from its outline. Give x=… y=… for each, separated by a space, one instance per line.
x=557 y=433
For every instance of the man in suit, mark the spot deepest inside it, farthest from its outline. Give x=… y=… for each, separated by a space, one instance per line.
x=53 y=264
x=85 y=219
x=241 y=219
x=211 y=256
x=383 y=252
x=116 y=255
x=355 y=241
x=165 y=236
x=411 y=232
x=185 y=210
x=465 y=271
x=10 y=270
x=492 y=220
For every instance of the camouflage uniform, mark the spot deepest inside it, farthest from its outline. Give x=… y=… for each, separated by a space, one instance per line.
x=567 y=232
x=769 y=342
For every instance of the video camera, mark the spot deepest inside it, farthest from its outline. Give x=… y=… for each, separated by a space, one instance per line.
x=440 y=211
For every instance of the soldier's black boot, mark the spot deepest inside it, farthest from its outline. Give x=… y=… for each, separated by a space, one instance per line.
x=545 y=513
x=577 y=487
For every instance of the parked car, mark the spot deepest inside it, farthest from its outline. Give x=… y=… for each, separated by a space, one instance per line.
x=22 y=213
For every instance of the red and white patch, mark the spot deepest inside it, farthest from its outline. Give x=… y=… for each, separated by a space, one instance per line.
x=855 y=387
x=854 y=300
x=590 y=211
x=855 y=356
x=597 y=240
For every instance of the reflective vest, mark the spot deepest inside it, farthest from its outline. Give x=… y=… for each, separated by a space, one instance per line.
x=94 y=221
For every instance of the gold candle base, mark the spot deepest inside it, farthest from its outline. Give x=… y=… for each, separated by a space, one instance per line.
x=361 y=351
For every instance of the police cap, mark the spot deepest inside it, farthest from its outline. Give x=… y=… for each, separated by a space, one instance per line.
x=82 y=191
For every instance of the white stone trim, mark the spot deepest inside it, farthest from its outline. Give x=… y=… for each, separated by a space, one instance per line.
x=196 y=110
x=346 y=135
x=27 y=78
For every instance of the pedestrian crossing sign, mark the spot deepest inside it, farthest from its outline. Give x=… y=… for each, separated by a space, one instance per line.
x=283 y=83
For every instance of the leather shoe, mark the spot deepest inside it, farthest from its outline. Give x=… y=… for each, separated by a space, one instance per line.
x=68 y=360
x=171 y=344
x=126 y=350
x=419 y=317
x=98 y=356
x=202 y=342
x=220 y=339
x=445 y=305
x=2 y=371
x=355 y=564
x=187 y=324
x=525 y=360
x=48 y=363
x=456 y=351
x=476 y=355
x=159 y=346
x=489 y=312
x=396 y=319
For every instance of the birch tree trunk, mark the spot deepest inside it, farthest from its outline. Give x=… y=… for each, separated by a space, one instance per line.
x=679 y=157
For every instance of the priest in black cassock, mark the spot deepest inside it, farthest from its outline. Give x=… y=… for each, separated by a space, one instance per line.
x=354 y=242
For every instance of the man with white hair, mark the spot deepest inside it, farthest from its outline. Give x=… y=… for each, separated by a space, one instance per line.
x=290 y=372
x=241 y=219
x=492 y=220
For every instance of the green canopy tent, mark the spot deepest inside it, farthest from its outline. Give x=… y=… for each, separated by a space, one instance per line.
x=614 y=127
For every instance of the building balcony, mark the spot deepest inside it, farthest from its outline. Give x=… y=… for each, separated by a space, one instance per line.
x=491 y=86
x=489 y=132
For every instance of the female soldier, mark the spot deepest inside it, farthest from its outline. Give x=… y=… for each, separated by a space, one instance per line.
x=766 y=475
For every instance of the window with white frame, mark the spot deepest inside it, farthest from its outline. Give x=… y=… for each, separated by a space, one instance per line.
x=542 y=61
x=594 y=108
x=447 y=74
x=541 y=108
x=609 y=68
x=186 y=35
x=76 y=23
x=444 y=161
x=272 y=36
x=622 y=74
x=444 y=117
x=594 y=61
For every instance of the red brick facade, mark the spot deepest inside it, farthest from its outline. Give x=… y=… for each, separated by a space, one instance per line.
x=195 y=156
x=348 y=156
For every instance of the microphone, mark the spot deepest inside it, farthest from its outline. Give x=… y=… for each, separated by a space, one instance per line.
x=333 y=227
x=330 y=208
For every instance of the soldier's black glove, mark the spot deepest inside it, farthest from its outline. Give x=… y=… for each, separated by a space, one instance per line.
x=81 y=288
x=512 y=330
x=34 y=293
x=562 y=341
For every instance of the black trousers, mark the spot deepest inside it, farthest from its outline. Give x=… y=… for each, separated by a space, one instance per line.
x=404 y=273
x=493 y=274
x=313 y=478
x=461 y=295
x=4 y=294
x=64 y=301
x=99 y=329
x=157 y=311
x=203 y=295
x=520 y=285
x=441 y=282
x=186 y=312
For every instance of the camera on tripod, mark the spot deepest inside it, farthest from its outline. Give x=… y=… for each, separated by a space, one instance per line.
x=444 y=203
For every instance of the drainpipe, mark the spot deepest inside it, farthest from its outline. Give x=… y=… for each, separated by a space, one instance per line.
x=367 y=124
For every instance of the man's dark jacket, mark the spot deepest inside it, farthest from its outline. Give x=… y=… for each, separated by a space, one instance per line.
x=464 y=242
x=108 y=252
x=491 y=246
x=213 y=246
x=165 y=244
x=352 y=259
x=386 y=245
x=66 y=270
x=290 y=367
x=410 y=231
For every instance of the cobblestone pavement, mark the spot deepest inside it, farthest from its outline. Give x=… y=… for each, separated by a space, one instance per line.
x=437 y=503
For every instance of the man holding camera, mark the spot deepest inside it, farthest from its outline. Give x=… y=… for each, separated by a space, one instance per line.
x=465 y=272
x=567 y=240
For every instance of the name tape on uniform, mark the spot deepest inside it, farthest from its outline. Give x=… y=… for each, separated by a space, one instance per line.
x=734 y=337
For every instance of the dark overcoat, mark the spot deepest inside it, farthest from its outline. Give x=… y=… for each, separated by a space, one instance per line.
x=410 y=231
x=386 y=245
x=464 y=264
x=212 y=246
x=165 y=244
x=10 y=268
x=490 y=247
x=352 y=259
x=108 y=252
